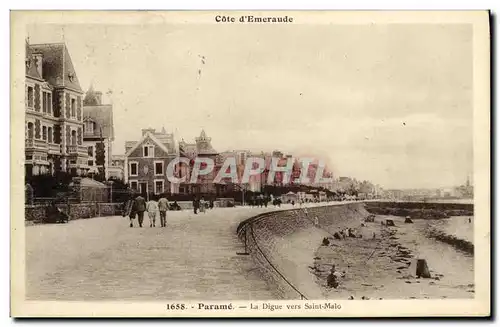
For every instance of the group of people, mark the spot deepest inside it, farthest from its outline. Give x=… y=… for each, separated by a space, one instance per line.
x=346 y=232
x=136 y=207
x=202 y=205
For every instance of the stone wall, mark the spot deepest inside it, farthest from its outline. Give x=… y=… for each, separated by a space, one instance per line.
x=283 y=243
x=420 y=210
x=35 y=213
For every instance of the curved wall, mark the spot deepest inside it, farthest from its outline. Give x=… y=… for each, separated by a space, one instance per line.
x=283 y=243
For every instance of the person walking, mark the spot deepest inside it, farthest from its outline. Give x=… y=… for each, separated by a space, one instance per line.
x=152 y=208
x=140 y=207
x=196 y=204
x=163 y=207
x=203 y=205
x=129 y=208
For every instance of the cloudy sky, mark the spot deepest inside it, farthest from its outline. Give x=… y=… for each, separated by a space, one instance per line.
x=387 y=103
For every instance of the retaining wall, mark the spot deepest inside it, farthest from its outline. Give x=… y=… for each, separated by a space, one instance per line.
x=421 y=210
x=283 y=243
x=35 y=213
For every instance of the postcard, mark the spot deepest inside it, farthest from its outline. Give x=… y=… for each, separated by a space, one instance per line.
x=250 y=164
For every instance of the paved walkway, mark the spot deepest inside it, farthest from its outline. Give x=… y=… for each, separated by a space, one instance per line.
x=194 y=257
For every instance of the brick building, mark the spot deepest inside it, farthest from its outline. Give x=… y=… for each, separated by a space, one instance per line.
x=201 y=148
x=98 y=131
x=53 y=107
x=146 y=162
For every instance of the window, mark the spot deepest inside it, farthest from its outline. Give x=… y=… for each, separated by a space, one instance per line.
x=49 y=103
x=44 y=102
x=44 y=133
x=133 y=185
x=158 y=168
x=30 y=97
x=30 y=131
x=90 y=151
x=90 y=162
x=73 y=137
x=133 y=169
x=49 y=136
x=148 y=151
x=88 y=127
x=159 y=183
x=73 y=108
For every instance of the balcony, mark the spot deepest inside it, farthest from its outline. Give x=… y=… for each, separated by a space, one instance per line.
x=78 y=150
x=34 y=144
x=54 y=148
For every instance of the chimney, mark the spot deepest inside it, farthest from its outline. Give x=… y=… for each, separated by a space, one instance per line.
x=145 y=130
x=38 y=59
x=98 y=97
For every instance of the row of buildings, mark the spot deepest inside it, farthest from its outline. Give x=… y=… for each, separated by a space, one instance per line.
x=70 y=130
x=464 y=191
x=145 y=162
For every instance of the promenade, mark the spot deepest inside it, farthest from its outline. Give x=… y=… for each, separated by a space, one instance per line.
x=194 y=257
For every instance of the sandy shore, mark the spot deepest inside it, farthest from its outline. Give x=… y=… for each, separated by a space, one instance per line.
x=380 y=267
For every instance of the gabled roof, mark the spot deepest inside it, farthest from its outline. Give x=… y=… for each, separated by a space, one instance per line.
x=102 y=116
x=144 y=137
x=58 y=68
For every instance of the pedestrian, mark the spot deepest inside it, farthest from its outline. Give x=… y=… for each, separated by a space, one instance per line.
x=211 y=203
x=140 y=207
x=196 y=204
x=132 y=212
x=152 y=207
x=203 y=205
x=163 y=207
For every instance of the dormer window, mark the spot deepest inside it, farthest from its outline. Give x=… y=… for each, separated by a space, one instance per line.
x=148 y=151
x=88 y=127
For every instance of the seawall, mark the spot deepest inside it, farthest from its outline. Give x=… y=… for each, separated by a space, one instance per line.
x=283 y=243
x=420 y=210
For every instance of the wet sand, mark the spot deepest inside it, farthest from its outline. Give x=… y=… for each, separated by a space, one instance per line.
x=380 y=268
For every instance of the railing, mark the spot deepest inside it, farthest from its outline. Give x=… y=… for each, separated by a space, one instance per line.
x=54 y=148
x=249 y=224
x=38 y=144
x=77 y=149
x=72 y=149
x=82 y=150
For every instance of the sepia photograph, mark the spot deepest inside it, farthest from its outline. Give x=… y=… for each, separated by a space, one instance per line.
x=253 y=164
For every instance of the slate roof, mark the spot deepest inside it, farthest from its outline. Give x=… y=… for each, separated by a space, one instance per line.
x=31 y=70
x=102 y=116
x=58 y=69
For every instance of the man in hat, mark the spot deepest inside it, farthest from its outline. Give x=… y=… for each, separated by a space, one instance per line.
x=140 y=207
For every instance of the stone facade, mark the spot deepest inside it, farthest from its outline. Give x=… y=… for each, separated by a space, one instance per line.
x=53 y=106
x=146 y=165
